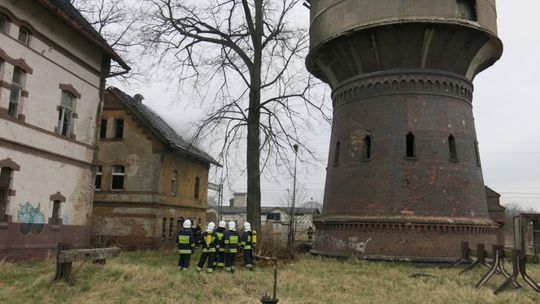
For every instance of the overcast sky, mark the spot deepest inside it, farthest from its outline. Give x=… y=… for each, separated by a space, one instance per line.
x=506 y=110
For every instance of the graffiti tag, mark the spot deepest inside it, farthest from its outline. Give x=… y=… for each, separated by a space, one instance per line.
x=31 y=220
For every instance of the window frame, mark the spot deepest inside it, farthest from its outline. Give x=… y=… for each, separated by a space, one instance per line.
x=17 y=86
x=99 y=174
x=24 y=30
x=467 y=6
x=56 y=219
x=367 y=148
x=6 y=22
x=4 y=191
x=66 y=113
x=118 y=175
x=452 y=148
x=410 y=146
x=116 y=128
x=103 y=128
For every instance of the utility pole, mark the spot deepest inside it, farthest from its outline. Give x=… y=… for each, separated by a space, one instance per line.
x=293 y=201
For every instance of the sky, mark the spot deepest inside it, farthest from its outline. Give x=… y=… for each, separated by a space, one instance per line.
x=505 y=107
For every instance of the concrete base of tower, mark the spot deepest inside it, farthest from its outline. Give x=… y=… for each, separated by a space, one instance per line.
x=421 y=239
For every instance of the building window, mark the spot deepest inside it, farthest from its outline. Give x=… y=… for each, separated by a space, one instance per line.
x=171 y=227
x=4 y=23
x=477 y=154
x=275 y=216
x=197 y=182
x=336 y=153
x=16 y=90
x=56 y=219
x=410 y=146
x=99 y=174
x=118 y=178
x=164 y=227
x=466 y=9
x=5 y=181
x=103 y=129
x=367 y=147
x=65 y=114
x=452 y=148
x=119 y=128
x=24 y=35
x=173 y=182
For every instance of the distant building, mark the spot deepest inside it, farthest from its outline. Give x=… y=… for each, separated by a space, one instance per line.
x=53 y=67
x=496 y=212
x=148 y=177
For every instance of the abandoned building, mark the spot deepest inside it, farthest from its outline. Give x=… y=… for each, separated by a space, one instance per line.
x=148 y=177
x=404 y=177
x=274 y=219
x=53 y=67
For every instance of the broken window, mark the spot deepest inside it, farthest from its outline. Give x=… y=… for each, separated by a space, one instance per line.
x=103 y=129
x=336 y=153
x=5 y=181
x=56 y=219
x=118 y=178
x=410 y=148
x=65 y=114
x=119 y=128
x=466 y=9
x=99 y=174
x=16 y=90
x=173 y=182
x=4 y=23
x=197 y=181
x=452 y=147
x=367 y=147
x=24 y=35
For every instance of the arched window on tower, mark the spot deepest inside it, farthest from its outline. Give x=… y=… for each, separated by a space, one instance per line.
x=410 y=146
x=367 y=147
x=336 y=154
x=452 y=148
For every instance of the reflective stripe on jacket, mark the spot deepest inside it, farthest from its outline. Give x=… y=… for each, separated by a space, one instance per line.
x=249 y=239
x=185 y=241
x=231 y=241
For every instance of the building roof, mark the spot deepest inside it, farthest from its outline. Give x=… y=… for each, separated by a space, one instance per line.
x=160 y=128
x=66 y=12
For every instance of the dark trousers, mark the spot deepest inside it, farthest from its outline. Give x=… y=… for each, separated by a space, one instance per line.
x=229 y=260
x=221 y=258
x=204 y=256
x=183 y=261
x=248 y=257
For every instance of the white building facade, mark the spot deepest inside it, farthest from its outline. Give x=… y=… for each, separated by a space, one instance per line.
x=53 y=68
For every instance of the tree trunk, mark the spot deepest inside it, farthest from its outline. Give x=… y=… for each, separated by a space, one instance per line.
x=253 y=133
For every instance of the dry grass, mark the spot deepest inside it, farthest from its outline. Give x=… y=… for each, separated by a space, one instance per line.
x=151 y=277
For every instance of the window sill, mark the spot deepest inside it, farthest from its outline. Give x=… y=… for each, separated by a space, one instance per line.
x=4 y=225
x=55 y=227
x=366 y=160
x=111 y=139
x=412 y=158
x=454 y=160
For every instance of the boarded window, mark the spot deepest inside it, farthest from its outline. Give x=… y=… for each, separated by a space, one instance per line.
x=65 y=114
x=118 y=178
x=55 y=219
x=410 y=145
x=15 y=94
x=197 y=185
x=452 y=147
x=103 y=129
x=173 y=182
x=367 y=147
x=119 y=128
x=24 y=35
x=466 y=9
x=336 y=153
x=99 y=174
x=5 y=181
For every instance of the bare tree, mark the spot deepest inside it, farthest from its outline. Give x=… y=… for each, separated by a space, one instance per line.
x=246 y=57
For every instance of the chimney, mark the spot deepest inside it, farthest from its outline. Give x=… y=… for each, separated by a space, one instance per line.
x=138 y=98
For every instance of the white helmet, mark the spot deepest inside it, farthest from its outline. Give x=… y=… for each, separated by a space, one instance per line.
x=211 y=226
x=222 y=224
x=247 y=226
x=187 y=224
x=232 y=225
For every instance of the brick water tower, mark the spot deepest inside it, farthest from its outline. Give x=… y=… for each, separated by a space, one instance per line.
x=404 y=178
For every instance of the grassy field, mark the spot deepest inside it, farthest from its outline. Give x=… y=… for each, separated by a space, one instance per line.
x=152 y=277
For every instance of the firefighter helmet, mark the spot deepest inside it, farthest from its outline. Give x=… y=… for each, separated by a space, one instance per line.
x=232 y=225
x=222 y=224
x=187 y=224
x=247 y=226
x=211 y=226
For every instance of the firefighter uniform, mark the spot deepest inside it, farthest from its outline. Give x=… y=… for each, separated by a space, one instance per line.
x=220 y=231
x=209 y=244
x=248 y=242
x=231 y=241
x=186 y=243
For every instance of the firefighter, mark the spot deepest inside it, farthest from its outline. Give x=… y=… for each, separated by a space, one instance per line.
x=186 y=243
x=231 y=240
x=220 y=231
x=248 y=242
x=209 y=244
